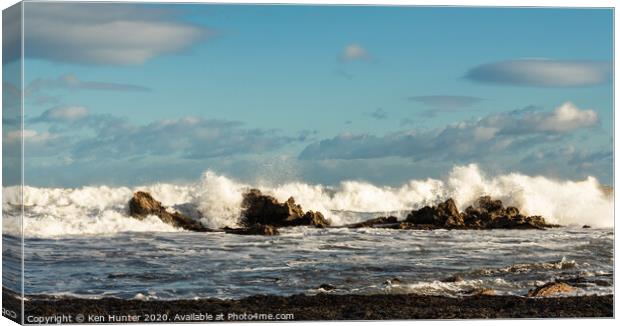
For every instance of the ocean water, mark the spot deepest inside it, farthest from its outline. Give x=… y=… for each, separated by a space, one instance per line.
x=81 y=242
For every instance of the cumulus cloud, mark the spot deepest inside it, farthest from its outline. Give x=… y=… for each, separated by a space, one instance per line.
x=103 y=33
x=565 y=118
x=354 y=52
x=542 y=72
x=62 y=114
x=464 y=140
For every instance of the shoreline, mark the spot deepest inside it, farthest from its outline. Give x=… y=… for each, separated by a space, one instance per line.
x=317 y=307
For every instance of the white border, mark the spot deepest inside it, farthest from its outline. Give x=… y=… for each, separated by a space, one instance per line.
x=481 y=3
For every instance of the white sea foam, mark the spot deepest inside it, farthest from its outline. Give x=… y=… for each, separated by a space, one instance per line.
x=216 y=199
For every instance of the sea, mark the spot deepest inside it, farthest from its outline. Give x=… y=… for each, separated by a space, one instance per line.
x=81 y=242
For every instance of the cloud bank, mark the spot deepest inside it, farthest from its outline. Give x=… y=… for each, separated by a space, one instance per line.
x=542 y=72
x=79 y=135
x=496 y=133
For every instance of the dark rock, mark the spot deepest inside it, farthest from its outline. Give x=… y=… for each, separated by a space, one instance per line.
x=485 y=214
x=586 y=226
x=326 y=287
x=601 y=283
x=453 y=279
x=311 y=218
x=393 y=281
x=266 y=210
x=550 y=289
x=408 y=226
x=375 y=221
x=143 y=204
x=489 y=205
x=580 y=281
x=436 y=215
x=256 y=229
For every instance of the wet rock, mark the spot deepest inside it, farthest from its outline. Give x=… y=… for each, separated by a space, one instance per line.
x=408 y=226
x=453 y=279
x=393 y=282
x=586 y=226
x=143 y=204
x=487 y=213
x=601 y=283
x=436 y=215
x=326 y=287
x=263 y=209
x=311 y=218
x=580 y=281
x=256 y=229
x=550 y=289
x=375 y=221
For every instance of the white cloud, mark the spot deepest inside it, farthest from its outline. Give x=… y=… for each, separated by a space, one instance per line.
x=29 y=136
x=354 y=52
x=564 y=118
x=543 y=72
x=102 y=33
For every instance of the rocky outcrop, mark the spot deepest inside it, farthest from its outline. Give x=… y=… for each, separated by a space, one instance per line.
x=485 y=214
x=435 y=215
x=256 y=229
x=550 y=289
x=143 y=204
x=382 y=220
x=263 y=209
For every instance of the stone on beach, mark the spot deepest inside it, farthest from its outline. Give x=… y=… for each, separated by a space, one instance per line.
x=550 y=289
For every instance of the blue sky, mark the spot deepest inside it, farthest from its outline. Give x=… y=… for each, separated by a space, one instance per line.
x=130 y=94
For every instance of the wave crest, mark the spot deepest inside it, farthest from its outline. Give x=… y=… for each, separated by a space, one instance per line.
x=216 y=200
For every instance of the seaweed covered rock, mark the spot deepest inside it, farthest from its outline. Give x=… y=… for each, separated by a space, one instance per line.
x=263 y=209
x=142 y=204
x=486 y=213
x=550 y=289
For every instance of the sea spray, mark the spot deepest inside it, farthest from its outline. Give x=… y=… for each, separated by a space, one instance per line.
x=219 y=200
x=216 y=199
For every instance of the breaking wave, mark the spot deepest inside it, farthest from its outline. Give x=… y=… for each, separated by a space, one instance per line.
x=215 y=200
